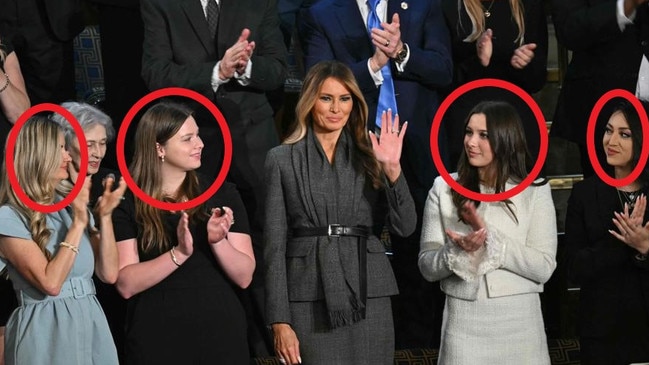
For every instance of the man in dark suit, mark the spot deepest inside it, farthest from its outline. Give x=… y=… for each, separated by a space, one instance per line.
x=419 y=56
x=42 y=32
x=234 y=67
x=606 y=55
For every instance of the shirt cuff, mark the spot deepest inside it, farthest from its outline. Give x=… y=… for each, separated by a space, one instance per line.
x=622 y=20
x=376 y=76
x=244 y=79
x=216 y=81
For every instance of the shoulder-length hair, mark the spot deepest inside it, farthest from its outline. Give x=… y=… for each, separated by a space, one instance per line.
x=475 y=10
x=37 y=156
x=632 y=117
x=511 y=157
x=356 y=125
x=158 y=124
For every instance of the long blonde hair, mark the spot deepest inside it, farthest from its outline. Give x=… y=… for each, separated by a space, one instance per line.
x=475 y=10
x=37 y=155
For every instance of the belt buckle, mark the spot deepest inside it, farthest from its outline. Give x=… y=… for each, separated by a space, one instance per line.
x=334 y=230
x=78 y=289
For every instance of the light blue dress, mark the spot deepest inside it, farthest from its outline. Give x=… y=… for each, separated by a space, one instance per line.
x=68 y=329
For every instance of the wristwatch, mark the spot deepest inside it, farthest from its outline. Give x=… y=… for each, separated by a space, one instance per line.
x=402 y=54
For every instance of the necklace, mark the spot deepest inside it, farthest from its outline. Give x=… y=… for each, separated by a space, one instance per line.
x=627 y=197
x=487 y=12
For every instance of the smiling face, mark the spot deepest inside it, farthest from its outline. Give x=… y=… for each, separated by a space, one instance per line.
x=332 y=107
x=476 y=142
x=96 y=139
x=618 y=142
x=182 y=152
x=61 y=173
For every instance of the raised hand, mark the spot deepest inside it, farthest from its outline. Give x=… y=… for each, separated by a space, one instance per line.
x=470 y=242
x=471 y=217
x=388 y=39
x=631 y=231
x=523 y=55
x=185 y=240
x=80 y=203
x=484 y=47
x=387 y=147
x=237 y=56
x=110 y=199
x=219 y=224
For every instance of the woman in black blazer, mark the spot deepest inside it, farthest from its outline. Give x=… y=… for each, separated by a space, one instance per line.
x=607 y=234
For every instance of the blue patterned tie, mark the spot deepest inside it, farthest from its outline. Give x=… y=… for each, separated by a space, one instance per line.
x=386 y=94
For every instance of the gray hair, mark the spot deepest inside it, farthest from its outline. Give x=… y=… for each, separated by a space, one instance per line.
x=88 y=116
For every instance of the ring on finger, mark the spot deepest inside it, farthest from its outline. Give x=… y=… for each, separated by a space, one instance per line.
x=387 y=42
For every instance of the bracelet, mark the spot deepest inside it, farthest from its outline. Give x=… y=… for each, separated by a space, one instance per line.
x=173 y=256
x=641 y=257
x=74 y=249
x=7 y=83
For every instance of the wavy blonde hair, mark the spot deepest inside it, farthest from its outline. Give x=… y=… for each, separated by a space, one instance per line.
x=475 y=10
x=37 y=155
x=357 y=123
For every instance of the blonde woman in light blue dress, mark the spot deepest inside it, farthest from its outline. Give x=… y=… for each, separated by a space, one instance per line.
x=51 y=257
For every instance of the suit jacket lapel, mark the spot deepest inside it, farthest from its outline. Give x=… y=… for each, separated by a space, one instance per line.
x=394 y=6
x=196 y=18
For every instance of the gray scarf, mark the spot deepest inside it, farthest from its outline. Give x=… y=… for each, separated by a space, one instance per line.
x=331 y=194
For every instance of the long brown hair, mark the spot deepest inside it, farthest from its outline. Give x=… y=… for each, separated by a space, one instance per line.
x=158 y=124
x=475 y=10
x=357 y=123
x=37 y=155
x=511 y=157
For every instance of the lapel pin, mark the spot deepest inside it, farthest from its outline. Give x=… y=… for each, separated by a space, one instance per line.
x=404 y=5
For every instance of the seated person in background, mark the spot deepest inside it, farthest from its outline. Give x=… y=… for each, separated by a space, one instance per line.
x=51 y=257
x=607 y=238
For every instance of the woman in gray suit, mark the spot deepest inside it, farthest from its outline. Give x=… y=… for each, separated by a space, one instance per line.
x=331 y=190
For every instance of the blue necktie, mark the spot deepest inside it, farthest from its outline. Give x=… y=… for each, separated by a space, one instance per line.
x=386 y=94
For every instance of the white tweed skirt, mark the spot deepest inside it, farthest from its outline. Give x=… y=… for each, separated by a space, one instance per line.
x=498 y=331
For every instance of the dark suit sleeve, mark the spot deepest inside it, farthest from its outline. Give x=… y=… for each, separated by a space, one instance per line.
x=402 y=217
x=269 y=65
x=533 y=76
x=159 y=69
x=430 y=61
x=275 y=237
x=588 y=258
x=580 y=25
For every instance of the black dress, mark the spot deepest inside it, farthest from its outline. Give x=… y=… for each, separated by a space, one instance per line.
x=467 y=66
x=193 y=316
x=614 y=296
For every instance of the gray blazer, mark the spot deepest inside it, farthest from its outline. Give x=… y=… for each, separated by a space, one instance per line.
x=291 y=270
